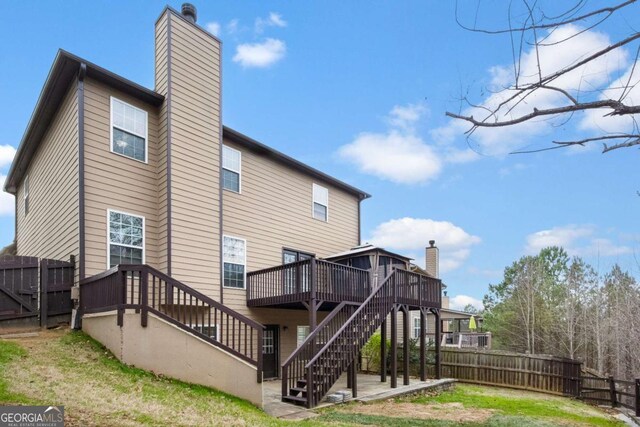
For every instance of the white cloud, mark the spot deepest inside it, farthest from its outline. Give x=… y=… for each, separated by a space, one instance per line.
x=7 y=201
x=396 y=156
x=459 y=302
x=508 y=170
x=232 y=26
x=600 y=246
x=213 y=28
x=564 y=236
x=7 y=153
x=260 y=55
x=273 y=20
x=578 y=240
x=596 y=121
x=400 y=154
x=406 y=116
x=413 y=235
x=581 y=83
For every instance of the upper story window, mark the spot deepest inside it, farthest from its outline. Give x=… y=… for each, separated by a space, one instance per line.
x=231 y=168
x=126 y=239
x=320 y=203
x=26 y=195
x=234 y=257
x=128 y=130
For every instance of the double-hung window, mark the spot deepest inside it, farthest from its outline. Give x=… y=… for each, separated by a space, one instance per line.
x=231 y=168
x=320 y=202
x=128 y=130
x=26 y=195
x=234 y=258
x=126 y=238
x=416 y=327
x=302 y=334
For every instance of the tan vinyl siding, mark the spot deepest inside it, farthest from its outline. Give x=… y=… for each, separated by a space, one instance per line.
x=116 y=182
x=51 y=228
x=195 y=129
x=161 y=77
x=274 y=211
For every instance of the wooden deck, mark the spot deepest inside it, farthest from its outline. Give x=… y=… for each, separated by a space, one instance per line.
x=294 y=285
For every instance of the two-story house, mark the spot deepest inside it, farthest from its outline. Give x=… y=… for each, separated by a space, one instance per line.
x=199 y=229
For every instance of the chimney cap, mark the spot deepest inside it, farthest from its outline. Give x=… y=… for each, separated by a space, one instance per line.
x=190 y=12
x=432 y=243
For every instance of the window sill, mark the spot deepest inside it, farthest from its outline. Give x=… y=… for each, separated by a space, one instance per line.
x=145 y=162
x=233 y=287
x=231 y=191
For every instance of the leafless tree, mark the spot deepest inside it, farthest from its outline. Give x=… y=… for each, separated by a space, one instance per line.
x=539 y=91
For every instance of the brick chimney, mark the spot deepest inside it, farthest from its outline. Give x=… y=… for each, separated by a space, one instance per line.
x=433 y=259
x=188 y=74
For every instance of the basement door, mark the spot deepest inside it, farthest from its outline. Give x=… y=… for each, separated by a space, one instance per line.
x=270 y=351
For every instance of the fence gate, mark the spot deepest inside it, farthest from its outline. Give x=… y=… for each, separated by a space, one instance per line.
x=56 y=281
x=32 y=288
x=18 y=287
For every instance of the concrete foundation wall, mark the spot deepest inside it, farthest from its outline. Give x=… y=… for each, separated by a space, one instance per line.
x=166 y=349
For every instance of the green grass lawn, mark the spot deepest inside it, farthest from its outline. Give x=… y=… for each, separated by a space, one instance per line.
x=71 y=369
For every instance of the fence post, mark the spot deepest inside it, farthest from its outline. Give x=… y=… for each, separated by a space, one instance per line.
x=44 y=279
x=259 y=364
x=637 y=397
x=144 y=288
x=123 y=295
x=612 y=389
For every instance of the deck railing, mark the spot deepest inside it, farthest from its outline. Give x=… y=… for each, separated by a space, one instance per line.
x=147 y=290
x=293 y=369
x=480 y=340
x=305 y=280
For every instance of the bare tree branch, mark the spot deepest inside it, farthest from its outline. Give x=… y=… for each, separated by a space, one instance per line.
x=607 y=11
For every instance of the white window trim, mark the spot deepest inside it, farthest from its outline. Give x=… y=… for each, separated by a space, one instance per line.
x=244 y=280
x=26 y=189
x=144 y=236
x=217 y=326
x=145 y=136
x=239 y=172
x=313 y=202
x=416 y=320
x=298 y=335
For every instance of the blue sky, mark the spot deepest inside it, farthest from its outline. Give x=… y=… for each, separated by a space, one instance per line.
x=359 y=90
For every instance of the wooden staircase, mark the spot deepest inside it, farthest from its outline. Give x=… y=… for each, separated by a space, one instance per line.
x=327 y=360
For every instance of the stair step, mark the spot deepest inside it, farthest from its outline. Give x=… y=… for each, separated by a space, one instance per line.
x=296 y=400
x=298 y=391
x=301 y=383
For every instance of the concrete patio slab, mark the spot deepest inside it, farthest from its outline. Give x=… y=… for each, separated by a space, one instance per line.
x=369 y=389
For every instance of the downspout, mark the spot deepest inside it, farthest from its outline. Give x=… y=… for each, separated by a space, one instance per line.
x=81 y=205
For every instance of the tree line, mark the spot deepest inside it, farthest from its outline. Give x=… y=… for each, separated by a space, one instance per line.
x=551 y=303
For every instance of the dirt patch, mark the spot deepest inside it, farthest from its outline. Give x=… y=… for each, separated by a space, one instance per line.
x=454 y=412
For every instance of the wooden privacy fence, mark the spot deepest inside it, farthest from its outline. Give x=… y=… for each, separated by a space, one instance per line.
x=30 y=287
x=610 y=391
x=547 y=374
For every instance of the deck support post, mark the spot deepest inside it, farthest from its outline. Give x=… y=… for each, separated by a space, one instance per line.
x=354 y=378
x=405 y=344
x=436 y=312
x=394 y=347
x=637 y=397
x=423 y=350
x=383 y=351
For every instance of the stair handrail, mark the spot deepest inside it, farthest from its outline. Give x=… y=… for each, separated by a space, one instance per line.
x=126 y=286
x=307 y=349
x=355 y=313
x=317 y=330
